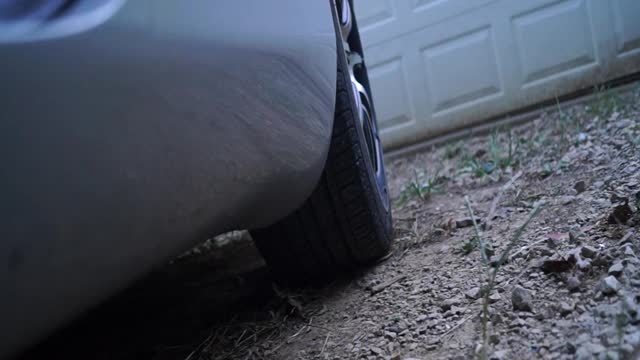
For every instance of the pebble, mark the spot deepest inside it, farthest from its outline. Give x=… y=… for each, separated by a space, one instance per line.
x=499 y=355
x=584 y=264
x=555 y=264
x=588 y=252
x=586 y=351
x=496 y=319
x=628 y=251
x=473 y=293
x=616 y=269
x=521 y=299
x=609 y=285
x=466 y=222
x=623 y=123
x=555 y=239
x=573 y=283
x=620 y=214
x=447 y=304
x=582 y=137
x=580 y=186
x=565 y=308
x=495 y=297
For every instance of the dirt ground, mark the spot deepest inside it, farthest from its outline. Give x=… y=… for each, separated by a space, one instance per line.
x=565 y=286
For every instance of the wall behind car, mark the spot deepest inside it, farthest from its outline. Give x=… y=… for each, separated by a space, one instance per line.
x=439 y=65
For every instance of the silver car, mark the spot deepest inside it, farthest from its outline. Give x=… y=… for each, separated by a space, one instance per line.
x=132 y=130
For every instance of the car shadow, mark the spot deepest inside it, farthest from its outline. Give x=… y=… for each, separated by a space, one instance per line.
x=169 y=312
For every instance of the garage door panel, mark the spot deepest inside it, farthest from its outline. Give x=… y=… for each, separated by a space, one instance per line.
x=439 y=65
x=410 y=16
x=377 y=13
x=389 y=78
x=451 y=79
x=553 y=39
x=627 y=25
x=424 y=5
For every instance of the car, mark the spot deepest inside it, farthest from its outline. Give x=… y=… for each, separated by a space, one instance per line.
x=133 y=130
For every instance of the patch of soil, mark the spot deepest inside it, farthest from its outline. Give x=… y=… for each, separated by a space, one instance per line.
x=569 y=288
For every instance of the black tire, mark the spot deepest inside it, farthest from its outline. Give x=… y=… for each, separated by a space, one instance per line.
x=346 y=223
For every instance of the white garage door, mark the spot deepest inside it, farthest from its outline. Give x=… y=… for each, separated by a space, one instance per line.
x=438 y=65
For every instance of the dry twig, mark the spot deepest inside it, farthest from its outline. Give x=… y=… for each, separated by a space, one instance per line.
x=378 y=288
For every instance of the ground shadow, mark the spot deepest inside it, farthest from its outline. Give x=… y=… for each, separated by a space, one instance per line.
x=167 y=314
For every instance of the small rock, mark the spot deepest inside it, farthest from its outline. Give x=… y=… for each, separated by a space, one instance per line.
x=494 y=298
x=628 y=251
x=620 y=214
x=580 y=186
x=521 y=299
x=573 y=237
x=496 y=319
x=473 y=293
x=618 y=198
x=623 y=123
x=583 y=354
x=616 y=269
x=447 y=304
x=586 y=351
x=565 y=308
x=633 y=339
x=573 y=283
x=602 y=260
x=582 y=137
x=466 y=222
x=421 y=318
x=609 y=285
x=588 y=252
x=499 y=355
x=556 y=264
x=376 y=350
x=494 y=339
x=555 y=239
x=566 y=200
x=584 y=264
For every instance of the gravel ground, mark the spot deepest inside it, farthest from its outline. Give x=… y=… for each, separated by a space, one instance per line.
x=566 y=286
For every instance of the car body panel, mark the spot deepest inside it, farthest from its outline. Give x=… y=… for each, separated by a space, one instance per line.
x=128 y=142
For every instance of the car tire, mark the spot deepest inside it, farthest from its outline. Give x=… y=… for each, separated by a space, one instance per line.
x=346 y=222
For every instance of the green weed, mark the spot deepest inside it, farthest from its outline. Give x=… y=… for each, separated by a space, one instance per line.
x=492 y=268
x=422 y=187
x=606 y=102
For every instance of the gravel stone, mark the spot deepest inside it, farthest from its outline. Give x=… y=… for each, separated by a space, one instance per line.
x=620 y=214
x=473 y=293
x=565 y=308
x=573 y=283
x=609 y=285
x=588 y=252
x=616 y=269
x=521 y=299
x=466 y=222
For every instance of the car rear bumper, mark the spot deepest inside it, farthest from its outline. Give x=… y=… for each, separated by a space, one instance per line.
x=129 y=142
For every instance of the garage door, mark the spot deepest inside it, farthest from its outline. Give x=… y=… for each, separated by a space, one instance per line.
x=439 y=65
